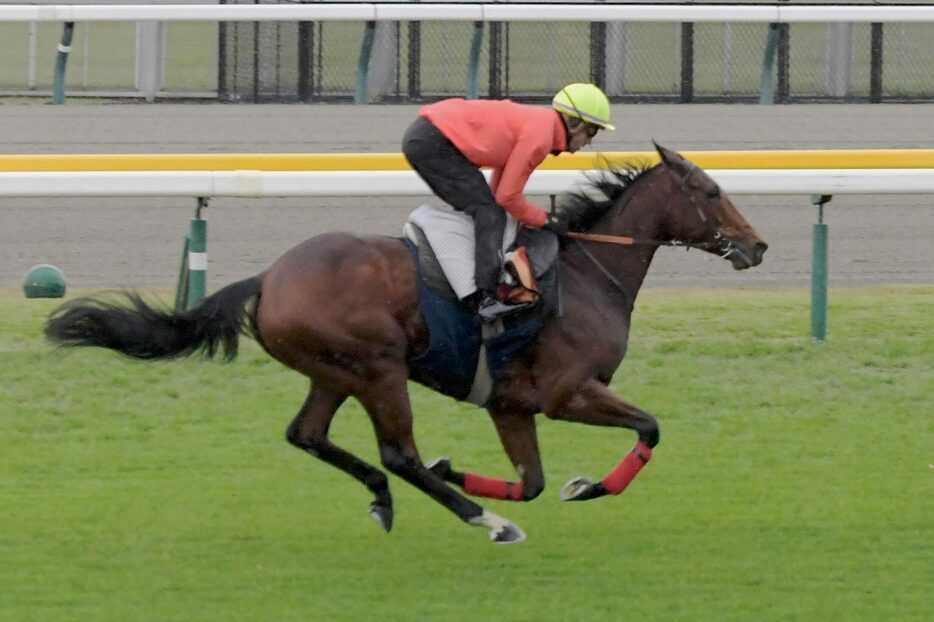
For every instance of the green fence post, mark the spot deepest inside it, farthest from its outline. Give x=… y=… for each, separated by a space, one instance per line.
x=197 y=257
x=181 y=289
x=767 y=83
x=58 y=83
x=474 y=68
x=819 y=272
x=363 y=64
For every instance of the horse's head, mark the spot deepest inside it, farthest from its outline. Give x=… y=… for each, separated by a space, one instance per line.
x=701 y=215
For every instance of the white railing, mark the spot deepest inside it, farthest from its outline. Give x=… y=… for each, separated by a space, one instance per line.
x=204 y=184
x=259 y=184
x=151 y=19
x=855 y=171
x=500 y=12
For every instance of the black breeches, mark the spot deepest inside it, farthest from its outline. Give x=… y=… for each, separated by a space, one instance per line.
x=458 y=182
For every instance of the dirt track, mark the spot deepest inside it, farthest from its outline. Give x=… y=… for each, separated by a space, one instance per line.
x=137 y=242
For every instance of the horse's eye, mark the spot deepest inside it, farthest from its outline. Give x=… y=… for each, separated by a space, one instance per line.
x=714 y=194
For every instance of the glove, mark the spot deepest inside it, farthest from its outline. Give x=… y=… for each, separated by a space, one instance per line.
x=557 y=224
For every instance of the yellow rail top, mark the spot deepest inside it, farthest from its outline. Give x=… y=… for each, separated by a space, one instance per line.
x=795 y=159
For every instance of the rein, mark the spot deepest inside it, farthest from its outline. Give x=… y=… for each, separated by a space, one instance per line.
x=624 y=240
x=722 y=244
x=609 y=275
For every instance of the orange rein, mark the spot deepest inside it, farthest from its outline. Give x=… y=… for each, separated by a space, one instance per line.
x=625 y=240
x=600 y=237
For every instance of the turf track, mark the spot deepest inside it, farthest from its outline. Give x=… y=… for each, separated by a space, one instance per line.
x=793 y=482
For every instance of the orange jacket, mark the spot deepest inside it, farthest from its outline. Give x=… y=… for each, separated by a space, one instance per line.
x=512 y=139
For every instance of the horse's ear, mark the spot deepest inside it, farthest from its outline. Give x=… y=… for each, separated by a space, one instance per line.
x=670 y=158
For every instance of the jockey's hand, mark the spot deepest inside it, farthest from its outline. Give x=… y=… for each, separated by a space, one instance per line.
x=556 y=223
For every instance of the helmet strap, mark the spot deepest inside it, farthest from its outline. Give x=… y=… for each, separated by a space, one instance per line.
x=580 y=116
x=570 y=125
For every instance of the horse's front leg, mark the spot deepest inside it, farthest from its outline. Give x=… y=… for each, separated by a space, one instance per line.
x=594 y=404
x=520 y=440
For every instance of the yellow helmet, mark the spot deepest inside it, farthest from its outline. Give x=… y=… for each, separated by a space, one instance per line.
x=584 y=101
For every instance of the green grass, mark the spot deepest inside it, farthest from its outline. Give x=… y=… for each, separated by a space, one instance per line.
x=793 y=482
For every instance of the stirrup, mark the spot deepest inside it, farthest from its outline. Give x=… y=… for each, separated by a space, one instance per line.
x=491 y=308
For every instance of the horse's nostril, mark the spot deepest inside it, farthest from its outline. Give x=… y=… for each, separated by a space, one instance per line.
x=758 y=250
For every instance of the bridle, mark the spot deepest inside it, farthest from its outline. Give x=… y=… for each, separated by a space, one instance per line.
x=722 y=245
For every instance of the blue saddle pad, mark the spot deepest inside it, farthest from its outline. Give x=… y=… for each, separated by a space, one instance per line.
x=450 y=360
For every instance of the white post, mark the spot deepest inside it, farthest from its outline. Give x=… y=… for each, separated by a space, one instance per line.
x=86 y=53
x=31 y=69
x=617 y=57
x=383 y=59
x=839 y=58
x=150 y=42
x=727 y=57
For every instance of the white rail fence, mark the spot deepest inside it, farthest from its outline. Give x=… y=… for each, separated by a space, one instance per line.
x=151 y=19
x=462 y=11
x=820 y=183
x=259 y=184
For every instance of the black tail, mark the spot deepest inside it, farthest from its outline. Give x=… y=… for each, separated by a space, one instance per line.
x=146 y=332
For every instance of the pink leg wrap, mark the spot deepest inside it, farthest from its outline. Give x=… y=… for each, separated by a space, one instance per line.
x=627 y=469
x=482 y=486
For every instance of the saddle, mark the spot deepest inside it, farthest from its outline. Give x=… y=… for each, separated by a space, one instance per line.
x=464 y=356
x=530 y=256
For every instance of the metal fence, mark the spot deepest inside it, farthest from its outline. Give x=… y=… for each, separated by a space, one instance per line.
x=418 y=61
x=421 y=61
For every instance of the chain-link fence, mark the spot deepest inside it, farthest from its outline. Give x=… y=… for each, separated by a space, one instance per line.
x=105 y=57
x=418 y=61
x=422 y=61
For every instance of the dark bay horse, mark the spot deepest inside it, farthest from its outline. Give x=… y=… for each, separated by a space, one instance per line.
x=343 y=310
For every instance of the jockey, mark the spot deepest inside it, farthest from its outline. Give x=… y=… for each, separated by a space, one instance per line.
x=453 y=138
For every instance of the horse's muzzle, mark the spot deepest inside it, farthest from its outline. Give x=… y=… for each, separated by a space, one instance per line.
x=744 y=255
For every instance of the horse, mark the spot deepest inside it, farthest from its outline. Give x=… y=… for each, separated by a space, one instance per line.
x=344 y=311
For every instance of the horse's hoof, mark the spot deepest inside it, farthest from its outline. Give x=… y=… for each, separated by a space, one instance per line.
x=581 y=489
x=382 y=514
x=502 y=531
x=440 y=467
x=508 y=534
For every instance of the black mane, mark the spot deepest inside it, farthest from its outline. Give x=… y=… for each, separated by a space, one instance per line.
x=584 y=209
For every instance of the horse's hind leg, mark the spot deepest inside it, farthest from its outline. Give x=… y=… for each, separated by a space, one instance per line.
x=520 y=440
x=387 y=402
x=309 y=431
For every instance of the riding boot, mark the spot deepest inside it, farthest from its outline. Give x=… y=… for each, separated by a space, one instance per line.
x=489 y=225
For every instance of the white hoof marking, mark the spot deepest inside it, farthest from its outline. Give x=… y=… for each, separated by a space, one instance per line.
x=502 y=531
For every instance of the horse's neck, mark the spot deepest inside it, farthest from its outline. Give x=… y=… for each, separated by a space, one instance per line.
x=641 y=219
